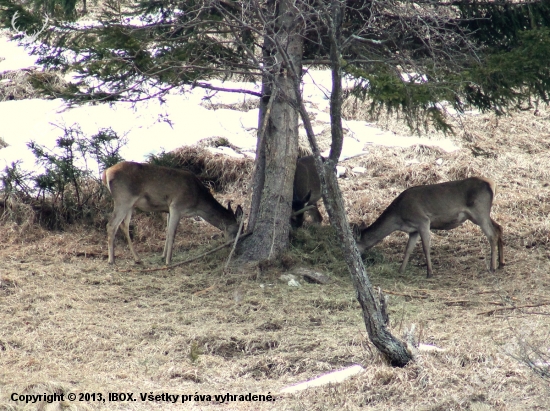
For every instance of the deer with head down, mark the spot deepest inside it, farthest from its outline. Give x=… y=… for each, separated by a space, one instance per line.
x=307 y=191
x=441 y=206
x=153 y=188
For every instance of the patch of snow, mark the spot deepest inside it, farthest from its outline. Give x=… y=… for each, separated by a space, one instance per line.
x=340 y=171
x=226 y=151
x=180 y=119
x=366 y=133
x=15 y=56
x=330 y=378
x=430 y=348
x=293 y=283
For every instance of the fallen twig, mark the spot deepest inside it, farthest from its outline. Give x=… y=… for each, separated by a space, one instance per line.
x=90 y=254
x=405 y=295
x=201 y=292
x=516 y=307
x=168 y=267
x=460 y=302
x=464 y=302
x=234 y=243
x=485 y=292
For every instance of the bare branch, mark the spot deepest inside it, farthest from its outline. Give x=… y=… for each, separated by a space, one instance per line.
x=228 y=90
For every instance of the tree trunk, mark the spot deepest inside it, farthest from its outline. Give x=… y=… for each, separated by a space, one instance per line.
x=277 y=147
x=266 y=103
x=394 y=350
x=258 y=177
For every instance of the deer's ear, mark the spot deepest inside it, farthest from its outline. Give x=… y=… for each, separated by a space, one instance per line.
x=229 y=207
x=239 y=213
x=356 y=230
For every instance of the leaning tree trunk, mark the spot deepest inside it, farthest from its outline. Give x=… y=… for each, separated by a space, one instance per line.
x=277 y=148
x=394 y=350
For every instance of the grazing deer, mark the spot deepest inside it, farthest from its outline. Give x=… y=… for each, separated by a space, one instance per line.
x=441 y=206
x=307 y=190
x=154 y=188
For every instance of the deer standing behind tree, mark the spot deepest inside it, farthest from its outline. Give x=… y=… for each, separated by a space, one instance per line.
x=153 y=188
x=441 y=206
x=307 y=191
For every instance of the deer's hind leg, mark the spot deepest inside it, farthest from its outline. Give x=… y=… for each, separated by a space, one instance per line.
x=493 y=232
x=500 y=243
x=425 y=235
x=316 y=214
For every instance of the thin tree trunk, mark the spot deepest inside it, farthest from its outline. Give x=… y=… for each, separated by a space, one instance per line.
x=394 y=350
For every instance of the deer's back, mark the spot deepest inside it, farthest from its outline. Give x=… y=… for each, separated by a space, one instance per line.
x=307 y=180
x=445 y=200
x=154 y=188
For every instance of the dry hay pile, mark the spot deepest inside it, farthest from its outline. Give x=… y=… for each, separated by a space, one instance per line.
x=248 y=103
x=27 y=83
x=222 y=172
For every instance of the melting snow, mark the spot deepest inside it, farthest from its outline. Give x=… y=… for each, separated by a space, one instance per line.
x=151 y=127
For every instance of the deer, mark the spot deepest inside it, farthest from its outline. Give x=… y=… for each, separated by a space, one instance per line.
x=154 y=188
x=307 y=191
x=442 y=206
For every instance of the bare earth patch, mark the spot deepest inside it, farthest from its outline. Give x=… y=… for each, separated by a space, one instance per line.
x=73 y=324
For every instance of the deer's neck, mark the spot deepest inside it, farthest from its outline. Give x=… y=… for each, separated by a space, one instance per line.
x=217 y=215
x=377 y=231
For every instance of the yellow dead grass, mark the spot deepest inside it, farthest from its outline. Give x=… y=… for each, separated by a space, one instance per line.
x=73 y=324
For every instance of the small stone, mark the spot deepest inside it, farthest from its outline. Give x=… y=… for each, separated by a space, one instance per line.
x=285 y=278
x=293 y=283
x=312 y=276
x=340 y=171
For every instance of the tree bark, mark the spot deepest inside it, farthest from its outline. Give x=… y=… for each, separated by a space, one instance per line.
x=258 y=177
x=277 y=147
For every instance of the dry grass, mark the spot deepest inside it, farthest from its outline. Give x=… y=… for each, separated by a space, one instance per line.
x=71 y=323
x=26 y=83
x=218 y=171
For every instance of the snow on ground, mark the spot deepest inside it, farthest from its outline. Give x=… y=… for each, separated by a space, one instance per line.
x=15 y=57
x=151 y=127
